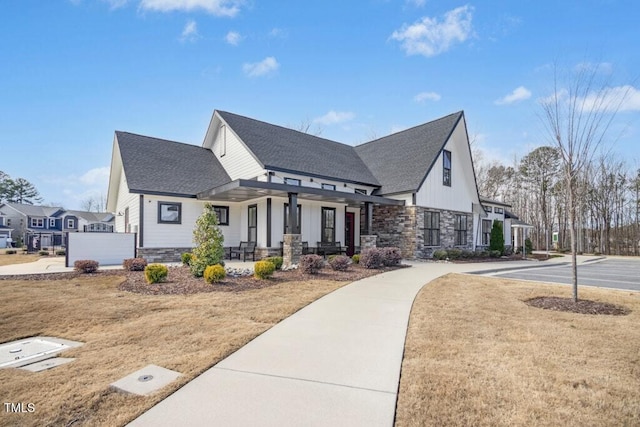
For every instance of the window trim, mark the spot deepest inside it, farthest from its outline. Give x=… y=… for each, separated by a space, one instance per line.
x=222 y=208
x=446 y=171
x=52 y=222
x=360 y=191
x=286 y=217
x=498 y=210
x=323 y=227
x=292 y=181
x=459 y=231
x=428 y=230
x=71 y=223
x=486 y=235
x=39 y=220
x=249 y=226
x=328 y=187
x=487 y=209
x=178 y=220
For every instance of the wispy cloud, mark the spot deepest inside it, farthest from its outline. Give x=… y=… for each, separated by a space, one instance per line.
x=96 y=176
x=430 y=36
x=228 y=8
x=190 y=31
x=611 y=99
x=520 y=93
x=416 y=3
x=233 y=38
x=334 y=117
x=113 y=4
x=426 y=96
x=600 y=67
x=267 y=66
x=278 y=33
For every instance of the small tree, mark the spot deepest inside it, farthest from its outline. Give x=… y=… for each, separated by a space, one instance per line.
x=209 y=242
x=497 y=238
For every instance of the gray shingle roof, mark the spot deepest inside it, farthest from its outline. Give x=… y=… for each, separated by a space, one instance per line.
x=402 y=160
x=280 y=148
x=34 y=210
x=153 y=165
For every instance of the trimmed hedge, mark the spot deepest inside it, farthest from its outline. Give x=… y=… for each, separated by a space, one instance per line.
x=155 y=273
x=339 y=262
x=86 y=266
x=311 y=264
x=61 y=252
x=214 y=274
x=440 y=254
x=263 y=269
x=134 y=264
x=276 y=261
x=43 y=253
x=11 y=252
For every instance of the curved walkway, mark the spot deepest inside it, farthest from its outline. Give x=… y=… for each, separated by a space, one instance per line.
x=335 y=362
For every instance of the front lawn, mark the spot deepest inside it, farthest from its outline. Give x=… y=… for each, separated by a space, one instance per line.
x=18 y=258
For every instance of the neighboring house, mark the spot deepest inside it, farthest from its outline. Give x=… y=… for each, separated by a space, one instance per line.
x=415 y=189
x=5 y=232
x=44 y=226
x=514 y=230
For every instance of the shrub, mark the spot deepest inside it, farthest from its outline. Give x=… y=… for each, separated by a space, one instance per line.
x=263 y=269
x=339 y=262
x=11 y=252
x=495 y=254
x=390 y=256
x=528 y=246
x=209 y=242
x=496 y=241
x=43 y=253
x=85 y=266
x=275 y=260
x=61 y=252
x=440 y=254
x=371 y=258
x=467 y=254
x=186 y=258
x=311 y=264
x=454 y=253
x=134 y=264
x=214 y=274
x=482 y=254
x=155 y=273
x=356 y=259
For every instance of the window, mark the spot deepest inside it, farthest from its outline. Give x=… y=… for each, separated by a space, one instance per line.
x=222 y=212
x=498 y=210
x=328 y=225
x=486 y=232
x=361 y=191
x=71 y=223
x=37 y=222
x=52 y=222
x=169 y=213
x=223 y=140
x=488 y=209
x=460 y=230
x=446 y=168
x=328 y=187
x=252 y=232
x=292 y=181
x=287 y=229
x=8 y=222
x=432 y=228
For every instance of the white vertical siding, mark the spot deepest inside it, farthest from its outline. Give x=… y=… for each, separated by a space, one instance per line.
x=237 y=160
x=126 y=200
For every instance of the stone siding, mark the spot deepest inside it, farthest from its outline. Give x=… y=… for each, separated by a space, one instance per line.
x=267 y=252
x=162 y=255
x=292 y=249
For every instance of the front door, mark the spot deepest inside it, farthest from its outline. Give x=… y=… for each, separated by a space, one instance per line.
x=349 y=232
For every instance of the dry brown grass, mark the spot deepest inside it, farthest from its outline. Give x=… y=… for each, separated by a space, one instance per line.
x=124 y=332
x=17 y=258
x=476 y=354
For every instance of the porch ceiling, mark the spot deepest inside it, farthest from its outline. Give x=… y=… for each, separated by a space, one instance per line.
x=242 y=190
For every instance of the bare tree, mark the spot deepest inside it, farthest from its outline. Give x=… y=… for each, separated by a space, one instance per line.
x=577 y=118
x=94 y=204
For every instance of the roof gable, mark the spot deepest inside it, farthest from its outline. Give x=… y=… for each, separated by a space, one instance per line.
x=279 y=148
x=402 y=161
x=159 y=166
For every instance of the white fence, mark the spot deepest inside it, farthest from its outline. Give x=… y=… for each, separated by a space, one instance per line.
x=106 y=248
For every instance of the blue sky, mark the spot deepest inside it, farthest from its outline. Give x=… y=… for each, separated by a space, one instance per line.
x=74 y=71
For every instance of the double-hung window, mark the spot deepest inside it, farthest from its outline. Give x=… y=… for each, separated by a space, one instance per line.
x=486 y=232
x=460 y=230
x=432 y=228
x=328 y=225
x=252 y=232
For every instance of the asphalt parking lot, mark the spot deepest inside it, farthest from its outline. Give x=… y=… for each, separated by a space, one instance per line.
x=614 y=273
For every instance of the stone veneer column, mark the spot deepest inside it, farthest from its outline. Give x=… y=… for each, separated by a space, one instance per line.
x=291 y=249
x=367 y=242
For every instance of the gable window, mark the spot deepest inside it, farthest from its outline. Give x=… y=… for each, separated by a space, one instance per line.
x=223 y=140
x=292 y=181
x=460 y=230
x=446 y=168
x=328 y=225
x=37 y=222
x=252 y=230
x=222 y=212
x=71 y=223
x=287 y=229
x=498 y=210
x=486 y=232
x=488 y=209
x=361 y=191
x=432 y=228
x=328 y=187
x=8 y=222
x=169 y=213
x=52 y=222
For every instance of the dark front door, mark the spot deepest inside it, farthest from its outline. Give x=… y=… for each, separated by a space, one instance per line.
x=349 y=234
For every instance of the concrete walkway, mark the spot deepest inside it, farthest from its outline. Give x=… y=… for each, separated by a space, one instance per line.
x=334 y=363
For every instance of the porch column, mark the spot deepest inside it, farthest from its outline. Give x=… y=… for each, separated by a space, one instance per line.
x=291 y=249
x=294 y=227
x=368 y=239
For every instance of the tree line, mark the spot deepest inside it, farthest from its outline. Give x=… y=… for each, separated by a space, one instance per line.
x=18 y=190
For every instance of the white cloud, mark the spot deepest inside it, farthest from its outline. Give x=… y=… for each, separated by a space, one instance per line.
x=215 y=7
x=233 y=38
x=417 y=3
x=601 y=67
x=113 y=4
x=335 y=117
x=430 y=37
x=426 y=96
x=519 y=94
x=96 y=176
x=267 y=66
x=613 y=99
x=278 y=33
x=190 y=31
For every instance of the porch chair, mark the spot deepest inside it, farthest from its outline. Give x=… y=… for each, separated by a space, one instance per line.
x=244 y=249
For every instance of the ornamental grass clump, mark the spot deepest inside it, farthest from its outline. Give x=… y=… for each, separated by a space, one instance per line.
x=86 y=266
x=311 y=264
x=134 y=264
x=371 y=258
x=263 y=269
x=155 y=273
x=340 y=262
x=214 y=274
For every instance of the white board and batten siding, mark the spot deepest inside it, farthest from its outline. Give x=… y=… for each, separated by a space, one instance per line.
x=234 y=156
x=106 y=248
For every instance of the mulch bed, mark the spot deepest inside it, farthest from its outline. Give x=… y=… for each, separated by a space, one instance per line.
x=580 y=307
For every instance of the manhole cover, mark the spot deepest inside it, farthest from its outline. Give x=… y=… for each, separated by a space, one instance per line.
x=145 y=378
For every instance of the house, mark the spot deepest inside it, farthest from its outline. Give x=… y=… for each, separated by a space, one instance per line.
x=5 y=232
x=414 y=189
x=45 y=226
x=514 y=230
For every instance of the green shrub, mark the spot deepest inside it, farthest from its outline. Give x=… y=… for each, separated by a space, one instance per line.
x=371 y=258
x=85 y=266
x=454 y=253
x=275 y=260
x=209 y=242
x=11 y=252
x=43 y=253
x=482 y=254
x=263 y=269
x=528 y=246
x=339 y=262
x=155 y=273
x=311 y=264
x=467 y=254
x=134 y=264
x=186 y=258
x=356 y=259
x=390 y=256
x=495 y=254
x=61 y=252
x=496 y=242
x=214 y=274
x=440 y=254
